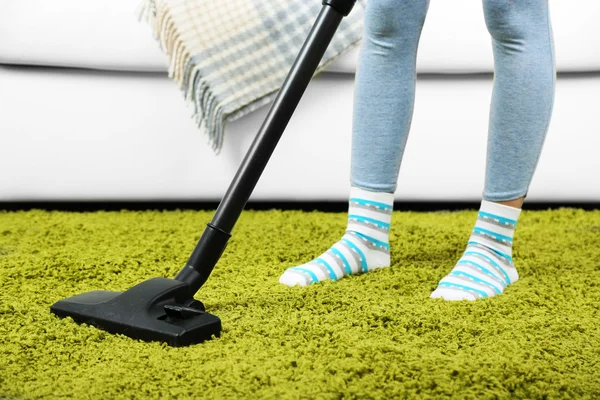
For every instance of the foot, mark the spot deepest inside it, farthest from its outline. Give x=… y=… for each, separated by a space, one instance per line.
x=364 y=247
x=486 y=267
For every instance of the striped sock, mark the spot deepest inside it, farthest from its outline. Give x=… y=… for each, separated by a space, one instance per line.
x=364 y=246
x=486 y=267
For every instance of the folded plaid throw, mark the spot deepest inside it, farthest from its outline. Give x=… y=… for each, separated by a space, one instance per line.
x=231 y=57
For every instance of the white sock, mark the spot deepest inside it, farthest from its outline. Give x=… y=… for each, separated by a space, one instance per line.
x=486 y=267
x=364 y=247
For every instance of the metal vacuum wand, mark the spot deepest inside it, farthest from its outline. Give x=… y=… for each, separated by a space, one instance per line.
x=211 y=245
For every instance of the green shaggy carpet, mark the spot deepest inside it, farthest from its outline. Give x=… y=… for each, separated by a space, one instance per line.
x=377 y=335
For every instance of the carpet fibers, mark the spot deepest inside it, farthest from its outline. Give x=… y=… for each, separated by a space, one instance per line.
x=376 y=335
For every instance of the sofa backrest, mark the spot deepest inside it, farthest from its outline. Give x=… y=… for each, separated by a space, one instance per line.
x=107 y=35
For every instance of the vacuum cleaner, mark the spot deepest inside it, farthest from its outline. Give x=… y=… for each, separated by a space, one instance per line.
x=164 y=310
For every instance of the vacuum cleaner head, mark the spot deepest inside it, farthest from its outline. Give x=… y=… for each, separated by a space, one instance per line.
x=158 y=309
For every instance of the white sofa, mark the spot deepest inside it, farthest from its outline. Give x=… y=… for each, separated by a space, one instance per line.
x=87 y=112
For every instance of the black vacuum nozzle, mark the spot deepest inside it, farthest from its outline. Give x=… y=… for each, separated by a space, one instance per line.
x=158 y=309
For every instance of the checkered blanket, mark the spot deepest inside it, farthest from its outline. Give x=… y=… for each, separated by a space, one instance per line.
x=231 y=57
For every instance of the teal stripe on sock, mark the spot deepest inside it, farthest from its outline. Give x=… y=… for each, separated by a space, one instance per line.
x=493 y=234
x=506 y=277
x=501 y=254
x=332 y=274
x=476 y=279
x=371 y=220
x=363 y=259
x=499 y=218
x=373 y=240
x=371 y=203
x=485 y=270
x=449 y=284
x=346 y=264
x=313 y=277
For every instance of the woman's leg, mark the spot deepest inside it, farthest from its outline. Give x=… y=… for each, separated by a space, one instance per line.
x=383 y=108
x=523 y=94
x=521 y=108
x=385 y=91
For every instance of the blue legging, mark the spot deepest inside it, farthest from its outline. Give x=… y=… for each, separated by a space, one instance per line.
x=522 y=96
